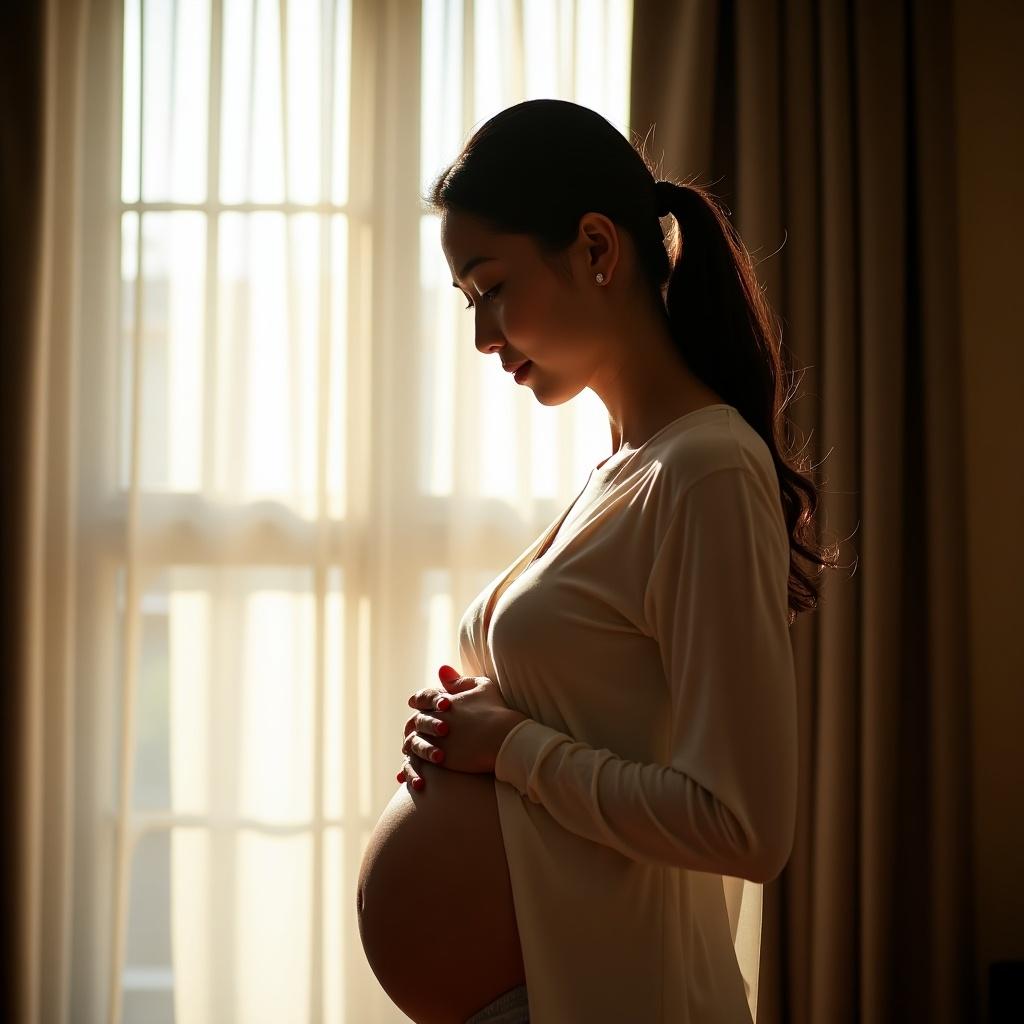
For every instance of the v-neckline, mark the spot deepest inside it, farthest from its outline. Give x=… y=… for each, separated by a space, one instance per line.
x=545 y=542
x=512 y=575
x=548 y=539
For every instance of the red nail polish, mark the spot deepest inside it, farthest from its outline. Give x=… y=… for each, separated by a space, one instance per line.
x=417 y=784
x=401 y=776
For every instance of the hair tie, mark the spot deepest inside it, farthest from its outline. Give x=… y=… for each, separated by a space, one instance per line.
x=665 y=193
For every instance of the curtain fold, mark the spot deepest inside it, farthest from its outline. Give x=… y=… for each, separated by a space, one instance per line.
x=21 y=43
x=43 y=57
x=827 y=130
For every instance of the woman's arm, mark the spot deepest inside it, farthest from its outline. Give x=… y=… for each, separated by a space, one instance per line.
x=716 y=602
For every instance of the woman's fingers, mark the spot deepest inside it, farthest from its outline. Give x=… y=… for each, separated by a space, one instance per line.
x=429 y=699
x=416 y=744
x=417 y=730
x=408 y=772
x=431 y=725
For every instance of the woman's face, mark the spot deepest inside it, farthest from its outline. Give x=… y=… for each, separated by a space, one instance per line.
x=523 y=308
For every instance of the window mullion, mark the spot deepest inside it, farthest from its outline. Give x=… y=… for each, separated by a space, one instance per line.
x=320 y=568
x=212 y=293
x=131 y=624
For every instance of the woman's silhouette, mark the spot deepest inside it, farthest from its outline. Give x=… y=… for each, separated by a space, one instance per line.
x=610 y=867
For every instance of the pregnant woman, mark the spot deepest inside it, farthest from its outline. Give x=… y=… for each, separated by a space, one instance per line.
x=598 y=791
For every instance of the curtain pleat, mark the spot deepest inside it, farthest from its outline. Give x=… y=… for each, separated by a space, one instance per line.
x=46 y=52
x=22 y=133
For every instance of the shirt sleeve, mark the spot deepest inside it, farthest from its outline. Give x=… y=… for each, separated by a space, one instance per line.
x=716 y=604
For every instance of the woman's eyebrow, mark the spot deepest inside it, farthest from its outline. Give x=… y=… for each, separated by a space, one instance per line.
x=470 y=264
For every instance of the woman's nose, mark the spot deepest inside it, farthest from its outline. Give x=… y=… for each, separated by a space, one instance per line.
x=488 y=338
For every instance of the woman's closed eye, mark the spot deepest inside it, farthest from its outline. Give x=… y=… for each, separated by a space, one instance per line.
x=487 y=295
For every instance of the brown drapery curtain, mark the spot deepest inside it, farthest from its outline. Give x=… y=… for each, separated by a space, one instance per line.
x=21 y=144
x=827 y=130
x=42 y=71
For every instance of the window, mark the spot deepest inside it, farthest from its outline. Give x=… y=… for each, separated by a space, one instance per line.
x=261 y=291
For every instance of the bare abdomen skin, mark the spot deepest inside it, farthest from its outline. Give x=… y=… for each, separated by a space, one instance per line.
x=436 y=861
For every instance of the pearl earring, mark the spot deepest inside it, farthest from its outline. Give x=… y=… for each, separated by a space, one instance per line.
x=600 y=279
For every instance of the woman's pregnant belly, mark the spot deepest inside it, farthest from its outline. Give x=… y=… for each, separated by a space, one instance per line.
x=434 y=899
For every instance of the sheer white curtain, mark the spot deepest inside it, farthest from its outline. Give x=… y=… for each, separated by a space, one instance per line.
x=278 y=469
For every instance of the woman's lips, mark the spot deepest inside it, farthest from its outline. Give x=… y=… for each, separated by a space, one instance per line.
x=520 y=374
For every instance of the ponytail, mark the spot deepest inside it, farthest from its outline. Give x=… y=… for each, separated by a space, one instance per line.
x=731 y=339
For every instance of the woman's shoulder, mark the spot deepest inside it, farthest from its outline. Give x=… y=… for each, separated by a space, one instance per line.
x=694 y=448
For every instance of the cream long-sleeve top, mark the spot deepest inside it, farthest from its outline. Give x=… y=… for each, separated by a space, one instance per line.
x=652 y=789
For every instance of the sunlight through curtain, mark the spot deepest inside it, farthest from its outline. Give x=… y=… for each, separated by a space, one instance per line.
x=294 y=468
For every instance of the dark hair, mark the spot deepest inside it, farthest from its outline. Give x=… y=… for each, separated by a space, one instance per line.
x=536 y=167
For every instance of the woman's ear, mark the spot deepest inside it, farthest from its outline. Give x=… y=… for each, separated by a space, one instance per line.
x=601 y=241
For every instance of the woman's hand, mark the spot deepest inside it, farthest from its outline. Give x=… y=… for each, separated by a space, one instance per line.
x=463 y=732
